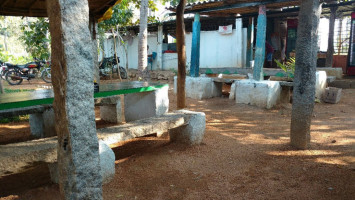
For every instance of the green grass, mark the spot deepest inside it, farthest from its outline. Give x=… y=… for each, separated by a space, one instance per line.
x=21 y=118
x=17 y=90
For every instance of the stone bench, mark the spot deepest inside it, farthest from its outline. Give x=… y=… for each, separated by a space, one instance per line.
x=136 y=105
x=183 y=126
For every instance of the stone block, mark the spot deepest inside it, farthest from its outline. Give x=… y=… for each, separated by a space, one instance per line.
x=264 y=94
x=200 y=87
x=321 y=84
x=146 y=104
x=42 y=124
x=232 y=91
x=337 y=72
x=107 y=164
x=332 y=95
x=192 y=133
x=110 y=109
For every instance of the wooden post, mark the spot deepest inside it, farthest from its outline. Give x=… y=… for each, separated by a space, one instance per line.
x=330 y=51
x=160 y=47
x=258 y=74
x=195 y=47
x=305 y=73
x=250 y=52
x=93 y=31
x=181 y=51
x=73 y=86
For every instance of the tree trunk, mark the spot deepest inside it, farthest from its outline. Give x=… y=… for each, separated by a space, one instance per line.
x=114 y=44
x=330 y=51
x=5 y=34
x=142 y=43
x=1 y=86
x=73 y=86
x=180 y=45
x=305 y=73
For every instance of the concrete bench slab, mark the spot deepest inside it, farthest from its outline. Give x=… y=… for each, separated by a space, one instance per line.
x=18 y=157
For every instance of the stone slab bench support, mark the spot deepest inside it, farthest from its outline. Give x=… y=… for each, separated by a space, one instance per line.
x=42 y=124
x=264 y=94
x=200 y=87
x=146 y=104
x=192 y=133
x=107 y=164
x=110 y=109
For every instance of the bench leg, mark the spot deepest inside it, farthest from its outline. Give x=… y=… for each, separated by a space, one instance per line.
x=146 y=104
x=42 y=124
x=111 y=113
x=107 y=164
x=193 y=132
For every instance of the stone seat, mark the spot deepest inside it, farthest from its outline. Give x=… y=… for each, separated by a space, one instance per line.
x=183 y=126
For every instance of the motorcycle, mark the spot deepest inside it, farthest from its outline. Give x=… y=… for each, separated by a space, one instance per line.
x=17 y=73
x=110 y=64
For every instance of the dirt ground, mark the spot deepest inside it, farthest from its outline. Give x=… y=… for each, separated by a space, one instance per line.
x=245 y=155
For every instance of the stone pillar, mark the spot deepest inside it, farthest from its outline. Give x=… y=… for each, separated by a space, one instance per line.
x=260 y=45
x=250 y=42
x=305 y=73
x=160 y=48
x=195 y=47
x=73 y=66
x=239 y=42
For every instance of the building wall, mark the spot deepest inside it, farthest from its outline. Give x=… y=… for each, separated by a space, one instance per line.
x=216 y=51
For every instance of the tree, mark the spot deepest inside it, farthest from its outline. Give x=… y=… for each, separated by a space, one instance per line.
x=36 y=38
x=305 y=73
x=330 y=51
x=142 y=41
x=181 y=50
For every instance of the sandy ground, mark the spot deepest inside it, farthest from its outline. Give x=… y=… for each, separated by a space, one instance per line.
x=245 y=155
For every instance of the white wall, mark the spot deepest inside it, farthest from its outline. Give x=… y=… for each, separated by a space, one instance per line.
x=216 y=51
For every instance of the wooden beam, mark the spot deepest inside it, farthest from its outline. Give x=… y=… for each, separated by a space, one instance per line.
x=105 y=5
x=237 y=5
x=4 y=3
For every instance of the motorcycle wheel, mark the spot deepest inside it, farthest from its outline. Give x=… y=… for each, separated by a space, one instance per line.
x=3 y=74
x=123 y=73
x=46 y=75
x=13 y=77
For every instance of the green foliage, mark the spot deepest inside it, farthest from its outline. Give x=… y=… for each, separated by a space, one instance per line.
x=288 y=67
x=6 y=57
x=36 y=38
x=17 y=90
x=14 y=119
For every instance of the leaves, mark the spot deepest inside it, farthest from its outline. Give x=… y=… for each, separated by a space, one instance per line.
x=36 y=38
x=288 y=67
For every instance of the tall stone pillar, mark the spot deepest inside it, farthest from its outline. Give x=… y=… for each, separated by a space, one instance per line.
x=160 y=48
x=250 y=51
x=305 y=73
x=72 y=67
x=260 y=45
x=195 y=47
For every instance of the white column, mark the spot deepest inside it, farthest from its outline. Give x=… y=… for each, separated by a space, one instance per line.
x=239 y=42
x=160 y=48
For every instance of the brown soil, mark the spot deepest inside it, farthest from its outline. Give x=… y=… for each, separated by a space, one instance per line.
x=245 y=155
